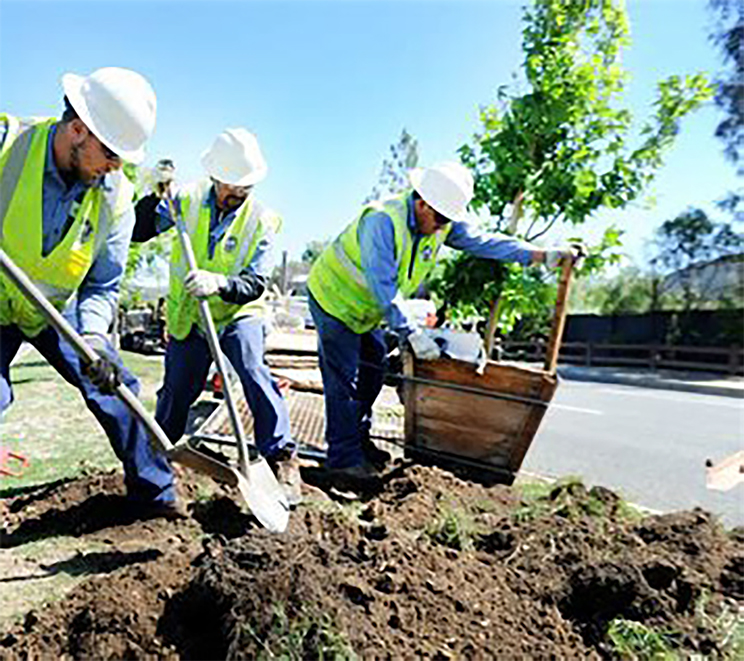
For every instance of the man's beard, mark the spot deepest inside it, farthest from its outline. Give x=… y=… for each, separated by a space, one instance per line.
x=75 y=172
x=232 y=202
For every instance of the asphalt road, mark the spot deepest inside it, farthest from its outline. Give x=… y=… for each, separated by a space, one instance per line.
x=648 y=445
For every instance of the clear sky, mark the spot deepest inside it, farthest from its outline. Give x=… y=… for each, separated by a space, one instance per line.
x=328 y=86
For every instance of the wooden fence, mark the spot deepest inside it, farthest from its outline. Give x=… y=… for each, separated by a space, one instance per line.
x=652 y=356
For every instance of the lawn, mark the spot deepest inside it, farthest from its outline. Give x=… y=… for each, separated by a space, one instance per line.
x=49 y=423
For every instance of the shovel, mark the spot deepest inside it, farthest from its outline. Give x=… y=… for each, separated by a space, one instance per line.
x=265 y=494
x=273 y=517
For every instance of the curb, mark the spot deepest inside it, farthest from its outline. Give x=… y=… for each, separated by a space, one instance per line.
x=572 y=374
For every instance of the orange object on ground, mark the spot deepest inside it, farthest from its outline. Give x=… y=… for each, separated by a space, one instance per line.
x=5 y=458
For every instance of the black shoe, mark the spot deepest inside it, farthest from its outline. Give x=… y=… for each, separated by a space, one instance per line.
x=363 y=477
x=286 y=467
x=377 y=457
x=171 y=510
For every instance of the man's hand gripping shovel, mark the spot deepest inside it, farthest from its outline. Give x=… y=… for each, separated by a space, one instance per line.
x=256 y=480
x=273 y=517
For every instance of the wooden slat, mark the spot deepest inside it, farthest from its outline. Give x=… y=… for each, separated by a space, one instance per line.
x=478 y=424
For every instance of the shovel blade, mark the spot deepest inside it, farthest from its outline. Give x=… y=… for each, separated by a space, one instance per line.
x=259 y=487
x=264 y=495
x=202 y=463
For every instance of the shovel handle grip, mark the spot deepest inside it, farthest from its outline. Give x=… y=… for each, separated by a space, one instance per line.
x=81 y=347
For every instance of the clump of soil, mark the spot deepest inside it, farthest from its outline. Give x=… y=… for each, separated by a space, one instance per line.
x=431 y=567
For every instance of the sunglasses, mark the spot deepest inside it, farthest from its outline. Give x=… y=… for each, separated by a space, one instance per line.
x=441 y=220
x=110 y=155
x=236 y=190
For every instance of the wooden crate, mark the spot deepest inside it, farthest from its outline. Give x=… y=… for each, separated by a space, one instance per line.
x=456 y=417
x=485 y=422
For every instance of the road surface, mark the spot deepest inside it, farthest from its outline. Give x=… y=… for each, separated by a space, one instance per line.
x=648 y=445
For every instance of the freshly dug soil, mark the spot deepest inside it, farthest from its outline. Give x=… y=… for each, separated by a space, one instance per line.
x=432 y=566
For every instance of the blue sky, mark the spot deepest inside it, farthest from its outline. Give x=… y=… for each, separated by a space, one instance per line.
x=328 y=86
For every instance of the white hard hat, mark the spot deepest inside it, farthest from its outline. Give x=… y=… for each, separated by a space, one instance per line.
x=117 y=105
x=164 y=172
x=448 y=187
x=235 y=158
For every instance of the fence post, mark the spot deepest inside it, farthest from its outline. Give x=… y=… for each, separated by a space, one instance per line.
x=588 y=359
x=653 y=357
x=733 y=361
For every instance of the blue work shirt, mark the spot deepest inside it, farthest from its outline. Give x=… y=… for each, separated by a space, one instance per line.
x=377 y=245
x=262 y=261
x=97 y=296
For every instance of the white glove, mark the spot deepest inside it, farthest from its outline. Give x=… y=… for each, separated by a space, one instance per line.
x=554 y=256
x=202 y=283
x=424 y=348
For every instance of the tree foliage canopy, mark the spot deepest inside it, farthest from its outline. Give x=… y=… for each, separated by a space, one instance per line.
x=563 y=147
x=394 y=173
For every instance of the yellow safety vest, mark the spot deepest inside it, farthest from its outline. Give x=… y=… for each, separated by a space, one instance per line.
x=58 y=274
x=232 y=253
x=338 y=282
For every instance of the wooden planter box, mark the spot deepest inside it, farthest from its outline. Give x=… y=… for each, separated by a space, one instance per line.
x=483 y=423
x=456 y=417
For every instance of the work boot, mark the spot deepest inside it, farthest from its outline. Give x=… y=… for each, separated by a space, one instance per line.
x=171 y=510
x=363 y=477
x=376 y=456
x=286 y=467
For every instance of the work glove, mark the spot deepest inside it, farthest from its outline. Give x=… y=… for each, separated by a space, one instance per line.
x=554 y=256
x=103 y=373
x=202 y=283
x=424 y=348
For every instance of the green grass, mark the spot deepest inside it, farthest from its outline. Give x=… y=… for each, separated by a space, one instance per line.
x=454 y=528
x=308 y=634
x=726 y=623
x=49 y=423
x=343 y=513
x=633 y=640
x=568 y=497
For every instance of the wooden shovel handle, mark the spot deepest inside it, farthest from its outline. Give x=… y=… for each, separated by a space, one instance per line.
x=559 y=319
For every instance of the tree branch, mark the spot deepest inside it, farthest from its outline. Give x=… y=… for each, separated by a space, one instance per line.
x=550 y=224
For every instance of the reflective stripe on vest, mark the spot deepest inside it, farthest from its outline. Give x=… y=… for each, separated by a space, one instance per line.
x=60 y=273
x=339 y=284
x=232 y=254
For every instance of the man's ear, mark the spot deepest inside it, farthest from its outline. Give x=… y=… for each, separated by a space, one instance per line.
x=78 y=131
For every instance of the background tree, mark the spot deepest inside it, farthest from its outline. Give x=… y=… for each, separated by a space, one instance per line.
x=393 y=175
x=728 y=35
x=562 y=148
x=690 y=248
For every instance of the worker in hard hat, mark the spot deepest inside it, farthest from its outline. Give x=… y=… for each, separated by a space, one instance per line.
x=360 y=280
x=162 y=179
x=66 y=219
x=233 y=235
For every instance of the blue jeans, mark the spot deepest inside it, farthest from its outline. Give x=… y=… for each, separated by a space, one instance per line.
x=187 y=364
x=352 y=366
x=147 y=474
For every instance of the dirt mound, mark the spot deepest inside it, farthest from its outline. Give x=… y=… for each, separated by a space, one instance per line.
x=432 y=567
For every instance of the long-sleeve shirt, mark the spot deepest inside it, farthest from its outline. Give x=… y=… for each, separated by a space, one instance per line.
x=97 y=296
x=377 y=244
x=153 y=218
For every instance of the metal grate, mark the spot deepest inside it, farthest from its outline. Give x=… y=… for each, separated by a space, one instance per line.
x=307 y=420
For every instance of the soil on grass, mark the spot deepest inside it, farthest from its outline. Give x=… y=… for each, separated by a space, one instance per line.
x=431 y=566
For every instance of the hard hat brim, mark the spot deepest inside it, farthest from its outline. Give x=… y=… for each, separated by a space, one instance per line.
x=214 y=171
x=415 y=176
x=72 y=86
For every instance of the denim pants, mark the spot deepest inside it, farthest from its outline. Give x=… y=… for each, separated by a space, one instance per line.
x=147 y=473
x=187 y=364
x=352 y=366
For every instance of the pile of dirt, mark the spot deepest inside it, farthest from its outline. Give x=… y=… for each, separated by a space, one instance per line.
x=432 y=566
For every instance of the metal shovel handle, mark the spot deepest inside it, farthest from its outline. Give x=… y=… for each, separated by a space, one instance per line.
x=55 y=318
x=213 y=341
